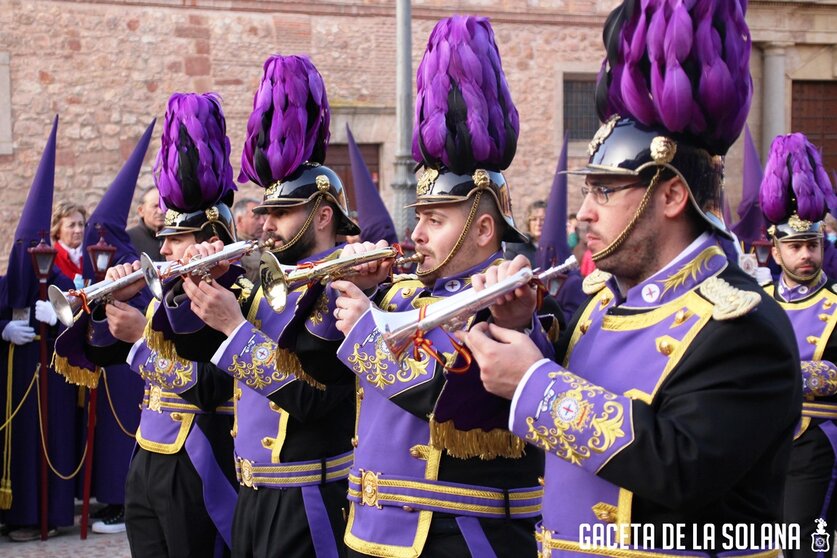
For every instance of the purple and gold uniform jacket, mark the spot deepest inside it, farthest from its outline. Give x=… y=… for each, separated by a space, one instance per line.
x=186 y=405
x=812 y=310
x=673 y=403
x=414 y=417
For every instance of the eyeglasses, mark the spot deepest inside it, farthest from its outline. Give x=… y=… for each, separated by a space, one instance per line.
x=601 y=193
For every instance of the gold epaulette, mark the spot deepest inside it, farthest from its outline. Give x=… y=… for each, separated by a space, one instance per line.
x=404 y=277
x=728 y=301
x=407 y=288
x=595 y=282
x=245 y=288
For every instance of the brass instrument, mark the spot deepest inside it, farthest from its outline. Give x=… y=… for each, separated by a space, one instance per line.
x=67 y=304
x=197 y=266
x=399 y=329
x=278 y=279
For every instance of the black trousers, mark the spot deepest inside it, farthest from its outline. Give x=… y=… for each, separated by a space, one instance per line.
x=271 y=522
x=509 y=538
x=165 y=515
x=811 y=463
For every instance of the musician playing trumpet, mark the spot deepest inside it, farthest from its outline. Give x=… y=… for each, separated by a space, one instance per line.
x=436 y=470
x=180 y=490
x=292 y=435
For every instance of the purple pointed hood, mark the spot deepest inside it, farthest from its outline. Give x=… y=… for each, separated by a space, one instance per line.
x=465 y=118
x=372 y=215
x=35 y=219
x=552 y=247
x=751 y=225
x=111 y=215
x=193 y=170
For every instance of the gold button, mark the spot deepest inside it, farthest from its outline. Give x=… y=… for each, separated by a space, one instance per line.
x=827 y=304
x=407 y=509
x=360 y=394
x=824 y=317
x=267 y=442
x=414 y=452
x=665 y=347
x=606 y=516
x=237 y=394
x=812 y=339
x=585 y=326
x=176 y=417
x=681 y=316
x=605 y=301
x=354 y=441
x=540 y=481
x=275 y=407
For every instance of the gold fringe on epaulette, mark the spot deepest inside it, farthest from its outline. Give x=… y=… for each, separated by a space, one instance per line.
x=6 y=495
x=476 y=442
x=287 y=362
x=76 y=374
x=156 y=342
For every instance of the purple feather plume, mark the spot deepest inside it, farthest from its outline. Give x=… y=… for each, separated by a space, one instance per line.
x=192 y=170
x=465 y=117
x=682 y=65
x=795 y=181
x=289 y=124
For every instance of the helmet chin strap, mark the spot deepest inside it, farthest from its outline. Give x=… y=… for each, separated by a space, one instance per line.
x=305 y=225
x=643 y=204
x=459 y=241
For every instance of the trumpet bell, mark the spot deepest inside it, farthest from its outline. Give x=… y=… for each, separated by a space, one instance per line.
x=152 y=276
x=274 y=281
x=65 y=306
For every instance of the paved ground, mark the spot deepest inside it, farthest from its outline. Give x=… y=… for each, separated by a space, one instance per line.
x=68 y=544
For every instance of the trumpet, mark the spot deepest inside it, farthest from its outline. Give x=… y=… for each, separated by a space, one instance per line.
x=453 y=313
x=197 y=266
x=278 y=280
x=67 y=304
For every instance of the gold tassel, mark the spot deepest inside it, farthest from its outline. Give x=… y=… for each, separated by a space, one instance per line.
x=475 y=443
x=156 y=342
x=6 y=481
x=5 y=494
x=288 y=363
x=76 y=374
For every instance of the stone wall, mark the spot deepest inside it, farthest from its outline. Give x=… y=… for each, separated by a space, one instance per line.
x=107 y=68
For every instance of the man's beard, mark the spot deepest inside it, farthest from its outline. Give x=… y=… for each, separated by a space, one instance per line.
x=636 y=259
x=301 y=249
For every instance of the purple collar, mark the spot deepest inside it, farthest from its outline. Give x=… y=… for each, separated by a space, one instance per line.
x=704 y=258
x=447 y=286
x=799 y=292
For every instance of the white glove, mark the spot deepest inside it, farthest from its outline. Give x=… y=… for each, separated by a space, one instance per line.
x=44 y=312
x=18 y=332
x=763 y=276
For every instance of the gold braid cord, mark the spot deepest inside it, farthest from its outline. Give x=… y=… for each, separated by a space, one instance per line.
x=112 y=408
x=613 y=246
x=461 y=239
x=304 y=228
x=44 y=445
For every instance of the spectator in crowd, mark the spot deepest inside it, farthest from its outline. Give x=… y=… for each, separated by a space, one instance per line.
x=144 y=234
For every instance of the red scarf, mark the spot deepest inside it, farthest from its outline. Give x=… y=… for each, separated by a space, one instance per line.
x=64 y=263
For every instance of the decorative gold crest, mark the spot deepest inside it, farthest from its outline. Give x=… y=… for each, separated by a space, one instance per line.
x=171 y=217
x=323 y=183
x=246 y=468
x=271 y=190
x=771 y=230
x=663 y=150
x=798 y=224
x=481 y=179
x=212 y=214
x=369 y=489
x=426 y=181
x=155 y=398
x=602 y=134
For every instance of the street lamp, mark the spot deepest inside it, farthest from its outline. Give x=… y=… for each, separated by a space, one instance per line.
x=43 y=255
x=101 y=254
x=762 y=248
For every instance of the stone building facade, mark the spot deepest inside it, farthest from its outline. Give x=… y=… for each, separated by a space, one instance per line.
x=108 y=66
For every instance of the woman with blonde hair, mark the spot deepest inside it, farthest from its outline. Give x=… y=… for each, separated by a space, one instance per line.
x=67 y=233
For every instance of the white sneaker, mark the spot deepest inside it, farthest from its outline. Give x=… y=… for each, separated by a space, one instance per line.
x=112 y=524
